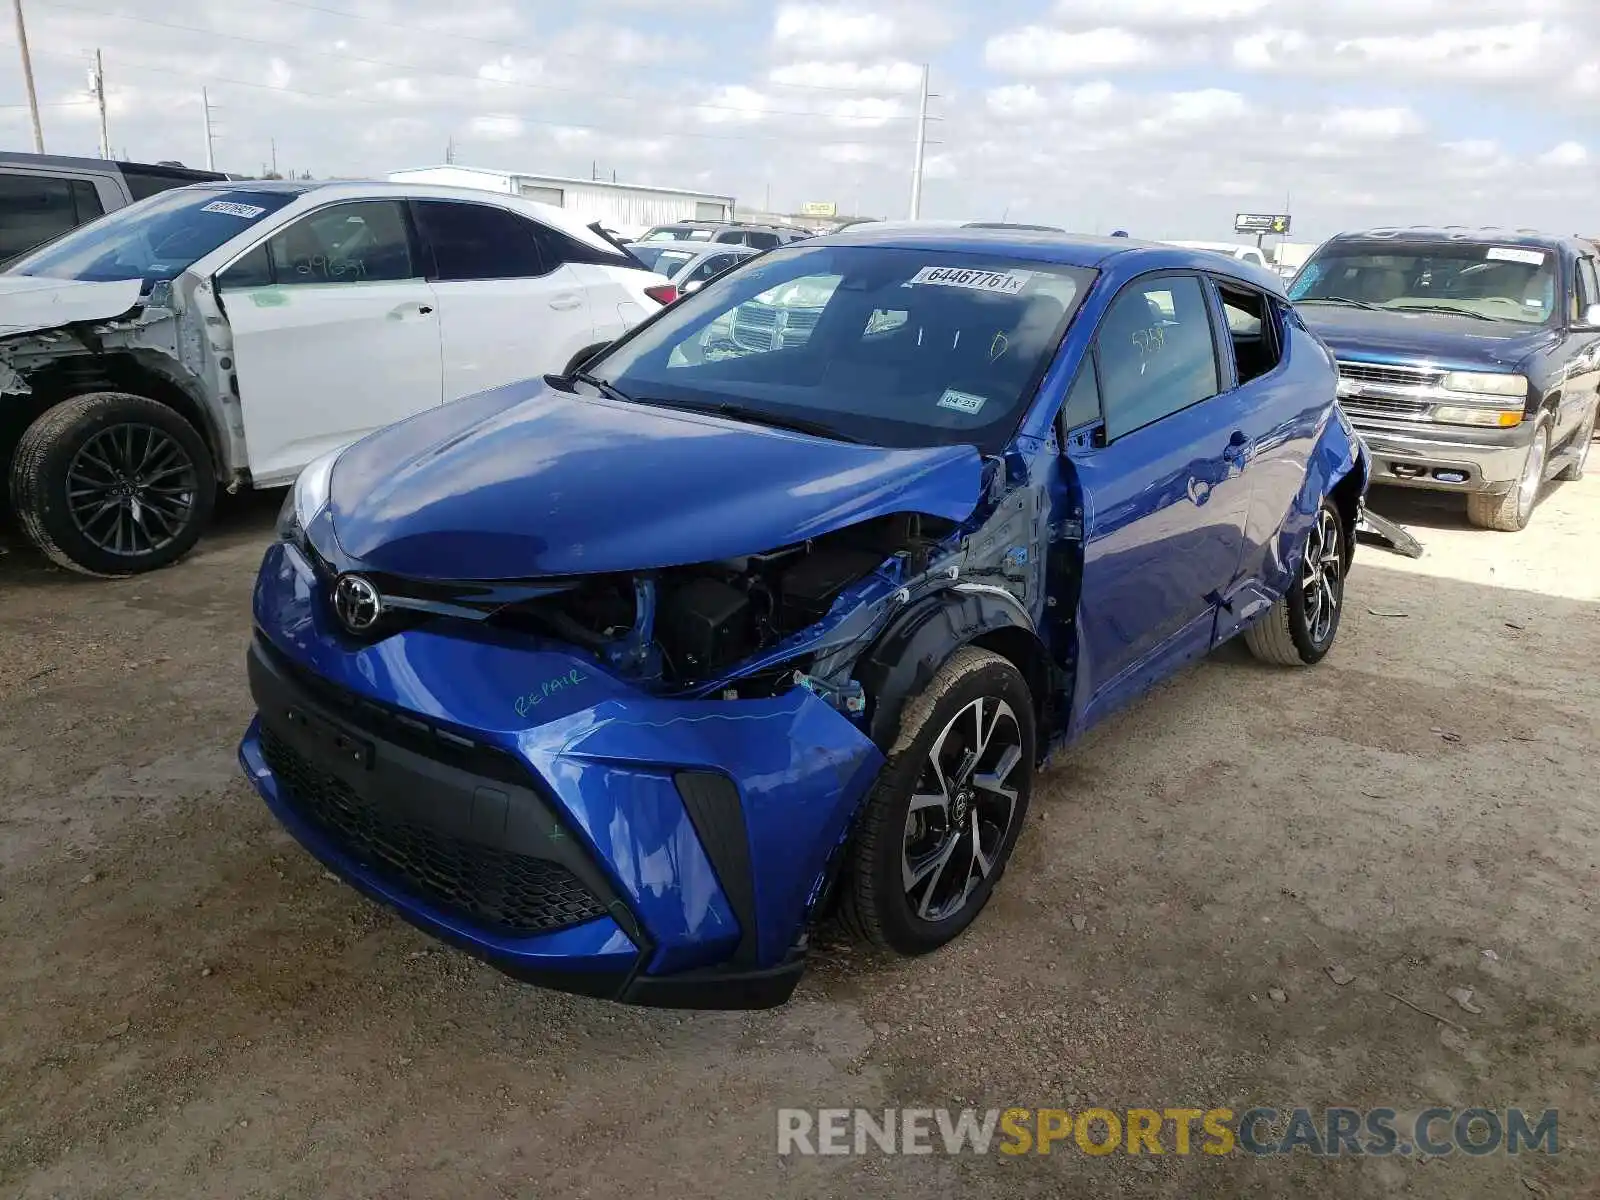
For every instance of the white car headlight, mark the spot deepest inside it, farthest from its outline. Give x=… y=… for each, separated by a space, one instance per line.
x=1485 y=383
x=308 y=497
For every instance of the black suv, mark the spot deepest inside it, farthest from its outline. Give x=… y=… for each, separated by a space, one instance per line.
x=1469 y=359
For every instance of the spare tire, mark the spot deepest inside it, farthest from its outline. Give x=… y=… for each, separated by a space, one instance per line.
x=110 y=483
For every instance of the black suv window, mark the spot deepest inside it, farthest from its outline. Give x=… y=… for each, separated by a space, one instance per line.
x=479 y=241
x=36 y=208
x=1156 y=352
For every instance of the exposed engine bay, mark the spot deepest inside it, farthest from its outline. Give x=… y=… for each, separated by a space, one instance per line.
x=684 y=626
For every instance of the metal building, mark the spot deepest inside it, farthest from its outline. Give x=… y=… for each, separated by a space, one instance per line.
x=621 y=206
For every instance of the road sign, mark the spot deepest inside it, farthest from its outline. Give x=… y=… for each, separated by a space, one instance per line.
x=819 y=208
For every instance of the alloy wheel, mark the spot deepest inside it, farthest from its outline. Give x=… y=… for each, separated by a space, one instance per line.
x=1322 y=577
x=1532 y=474
x=962 y=809
x=131 y=489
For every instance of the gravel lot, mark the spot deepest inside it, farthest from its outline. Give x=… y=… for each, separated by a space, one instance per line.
x=189 y=1006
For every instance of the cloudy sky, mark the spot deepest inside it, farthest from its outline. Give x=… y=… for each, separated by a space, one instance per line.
x=1162 y=116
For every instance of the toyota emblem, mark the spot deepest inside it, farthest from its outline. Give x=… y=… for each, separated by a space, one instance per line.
x=357 y=603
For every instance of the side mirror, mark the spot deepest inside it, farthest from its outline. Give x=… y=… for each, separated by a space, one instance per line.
x=1591 y=317
x=694 y=285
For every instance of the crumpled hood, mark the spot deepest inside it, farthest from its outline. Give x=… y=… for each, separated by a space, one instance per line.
x=1459 y=343
x=528 y=481
x=29 y=303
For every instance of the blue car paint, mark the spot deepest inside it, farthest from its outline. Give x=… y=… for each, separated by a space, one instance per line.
x=536 y=489
x=1102 y=553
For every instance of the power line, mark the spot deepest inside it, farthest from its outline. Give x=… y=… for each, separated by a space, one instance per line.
x=502 y=44
x=125 y=65
x=420 y=70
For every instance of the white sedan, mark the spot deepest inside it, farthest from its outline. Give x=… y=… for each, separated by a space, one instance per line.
x=233 y=332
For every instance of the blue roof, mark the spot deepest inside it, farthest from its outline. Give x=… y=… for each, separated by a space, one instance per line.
x=1066 y=249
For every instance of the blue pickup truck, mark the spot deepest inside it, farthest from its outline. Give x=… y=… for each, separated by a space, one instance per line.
x=1468 y=358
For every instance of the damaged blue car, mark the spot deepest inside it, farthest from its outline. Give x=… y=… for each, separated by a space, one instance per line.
x=621 y=679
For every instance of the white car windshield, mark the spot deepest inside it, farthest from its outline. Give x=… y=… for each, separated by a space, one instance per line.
x=153 y=240
x=866 y=343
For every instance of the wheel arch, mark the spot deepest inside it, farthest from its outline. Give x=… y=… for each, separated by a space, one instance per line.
x=909 y=653
x=59 y=381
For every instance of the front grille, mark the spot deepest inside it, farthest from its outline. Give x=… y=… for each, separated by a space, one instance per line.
x=1387 y=408
x=1387 y=376
x=495 y=889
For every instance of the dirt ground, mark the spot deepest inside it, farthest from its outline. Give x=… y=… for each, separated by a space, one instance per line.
x=190 y=1006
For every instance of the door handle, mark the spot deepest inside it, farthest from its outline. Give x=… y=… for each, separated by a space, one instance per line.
x=399 y=311
x=424 y=309
x=565 y=301
x=1237 y=451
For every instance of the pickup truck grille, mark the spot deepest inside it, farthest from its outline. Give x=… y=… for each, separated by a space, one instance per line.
x=1384 y=376
x=1386 y=408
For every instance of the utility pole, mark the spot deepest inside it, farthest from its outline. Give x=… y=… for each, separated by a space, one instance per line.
x=273 y=142
x=211 y=145
x=97 y=85
x=922 y=144
x=27 y=78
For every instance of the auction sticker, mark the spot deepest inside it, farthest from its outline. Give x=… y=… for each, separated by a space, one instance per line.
x=962 y=401
x=1533 y=258
x=1007 y=283
x=248 y=211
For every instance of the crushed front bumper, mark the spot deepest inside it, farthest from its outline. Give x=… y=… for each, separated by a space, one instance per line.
x=605 y=841
x=1460 y=459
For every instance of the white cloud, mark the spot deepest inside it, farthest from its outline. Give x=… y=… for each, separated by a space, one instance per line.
x=1016 y=100
x=851 y=152
x=496 y=127
x=1371 y=124
x=867 y=112
x=1208 y=107
x=1037 y=50
x=734 y=104
x=1567 y=154
x=1162 y=14
x=885 y=76
x=835 y=30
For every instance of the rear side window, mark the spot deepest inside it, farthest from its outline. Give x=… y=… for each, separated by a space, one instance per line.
x=479 y=241
x=761 y=241
x=1156 y=352
x=1253 y=329
x=147 y=183
x=36 y=208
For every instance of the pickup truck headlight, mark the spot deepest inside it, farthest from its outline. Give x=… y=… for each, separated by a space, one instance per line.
x=1495 y=418
x=307 y=498
x=1486 y=383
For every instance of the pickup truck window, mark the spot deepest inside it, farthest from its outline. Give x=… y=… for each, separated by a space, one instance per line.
x=1588 y=289
x=1156 y=350
x=1473 y=280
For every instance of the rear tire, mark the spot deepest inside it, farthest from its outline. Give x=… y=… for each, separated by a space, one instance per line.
x=1510 y=512
x=940 y=823
x=110 y=483
x=1298 y=630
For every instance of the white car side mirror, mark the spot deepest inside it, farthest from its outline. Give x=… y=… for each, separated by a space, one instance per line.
x=1591 y=316
x=694 y=285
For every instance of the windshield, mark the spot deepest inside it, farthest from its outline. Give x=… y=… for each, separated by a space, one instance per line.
x=662 y=259
x=154 y=240
x=1472 y=280
x=887 y=346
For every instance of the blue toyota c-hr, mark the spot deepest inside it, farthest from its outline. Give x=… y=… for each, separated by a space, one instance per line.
x=619 y=679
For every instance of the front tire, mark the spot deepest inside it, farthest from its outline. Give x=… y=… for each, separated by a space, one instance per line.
x=941 y=822
x=1510 y=512
x=110 y=483
x=1299 y=629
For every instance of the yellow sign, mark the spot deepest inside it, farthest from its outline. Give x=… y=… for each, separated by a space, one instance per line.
x=819 y=208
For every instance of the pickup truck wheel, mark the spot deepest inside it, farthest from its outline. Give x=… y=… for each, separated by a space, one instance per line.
x=940 y=824
x=1573 y=471
x=1298 y=630
x=1510 y=512
x=111 y=483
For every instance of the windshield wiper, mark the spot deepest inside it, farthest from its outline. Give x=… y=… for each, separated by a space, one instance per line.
x=1340 y=300
x=757 y=417
x=1446 y=308
x=605 y=389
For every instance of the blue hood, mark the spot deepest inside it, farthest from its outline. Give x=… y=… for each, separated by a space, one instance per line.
x=1458 y=343
x=530 y=481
